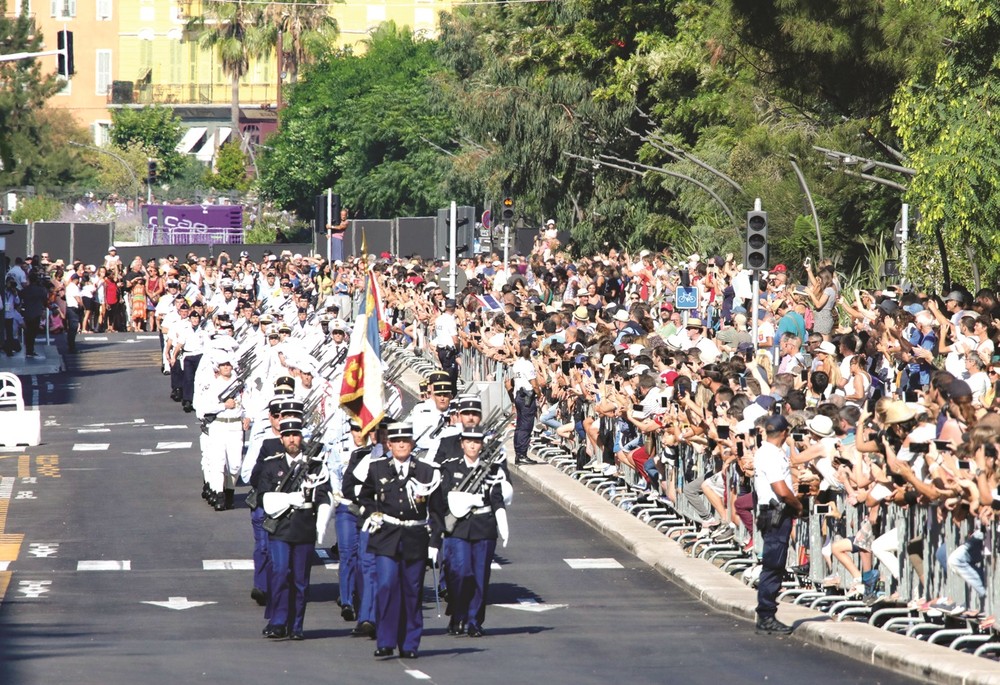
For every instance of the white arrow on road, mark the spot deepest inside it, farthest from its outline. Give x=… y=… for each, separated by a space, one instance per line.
x=531 y=605
x=179 y=603
x=145 y=451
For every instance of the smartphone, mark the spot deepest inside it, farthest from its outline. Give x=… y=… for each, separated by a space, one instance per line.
x=664 y=402
x=638 y=409
x=803 y=488
x=618 y=386
x=808 y=262
x=798 y=437
x=627 y=363
x=743 y=383
x=943 y=445
x=805 y=374
x=473 y=327
x=723 y=432
x=778 y=406
x=910 y=396
x=740 y=450
x=565 y=367
x=964 y=465
x=760 y=439
x=823 y=509
x=920 y=447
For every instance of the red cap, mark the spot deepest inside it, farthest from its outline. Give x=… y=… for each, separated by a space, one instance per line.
x=669 y=377
x=779 y=269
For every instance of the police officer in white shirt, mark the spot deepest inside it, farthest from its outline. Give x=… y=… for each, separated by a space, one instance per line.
x=446 y=342
x=524 y=390
x=777 y=505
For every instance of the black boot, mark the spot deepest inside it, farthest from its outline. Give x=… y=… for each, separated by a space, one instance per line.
x=187 y=406
x=212 y=498
x=228 y=495
x=205 y=490
x=220 y=501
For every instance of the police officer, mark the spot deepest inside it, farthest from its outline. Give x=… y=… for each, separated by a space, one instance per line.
x=446 y=341
x=296 y=498
x=404 y=520
x=469 y=411
x=777 y=505
x=524 y=389
x=476 y=500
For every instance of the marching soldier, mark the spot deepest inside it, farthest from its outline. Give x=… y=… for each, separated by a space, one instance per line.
x=192 y=348
x=219 y=404
x=476 y=494
x=180 y=328
x=470 y=415
x=346 y=520
x=431 y=416
x=296 y=498
x=403 y=520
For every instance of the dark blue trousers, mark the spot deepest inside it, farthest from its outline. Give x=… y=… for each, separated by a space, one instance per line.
x=775 y=556
x=72 y=326
x=399 y=602
x=347 y=545
x=366 y=580
x=187 y=376
x=261 y=558
x=526 y=407
x=469 y=570
x=290 y=567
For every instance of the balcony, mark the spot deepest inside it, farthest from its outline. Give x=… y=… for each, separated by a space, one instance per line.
x=127 y=93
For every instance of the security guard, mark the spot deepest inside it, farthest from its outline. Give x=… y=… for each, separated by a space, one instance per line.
x=403 y=520
x=777 y=505
x=296 y=498
x=431 y=416
x=476 y=500
x=524 y=389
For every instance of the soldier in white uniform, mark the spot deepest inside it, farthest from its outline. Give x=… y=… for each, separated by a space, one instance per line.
x=224 y=415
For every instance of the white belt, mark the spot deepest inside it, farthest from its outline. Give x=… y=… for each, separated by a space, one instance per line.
x=406 y=523
x=481 y=510
x=342 y=500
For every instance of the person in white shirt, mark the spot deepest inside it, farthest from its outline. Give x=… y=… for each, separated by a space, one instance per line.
x=777 y=506
x=446 y=342
x=74 y=305
x=524 y=390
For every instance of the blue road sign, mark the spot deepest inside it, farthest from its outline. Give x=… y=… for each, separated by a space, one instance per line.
x=686 y=298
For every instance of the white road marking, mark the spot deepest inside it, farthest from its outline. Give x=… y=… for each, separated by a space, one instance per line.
x=495 y=566
x=34 y=391
x=25 y=494
x=104 y=565
x=145 y=451
x=90 y=447
x=169 y=428
x=125 y=341
x=531 y=605
x=34 y=588
x=43 y=550
x=93 y=430
x=227 y=565
x=173 y=445
x=328 y=563
x=117 y=423
x=6 y=486
x=178 y=603
x=4 y=565
x=96 y=338
x=593 y=563
x=30 y=480
x=419 y=675
x=147 y=337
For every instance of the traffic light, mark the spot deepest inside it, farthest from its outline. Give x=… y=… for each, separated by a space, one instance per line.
x=507 y=213
x=755 y=256
x=64 y=42
x=151 y=172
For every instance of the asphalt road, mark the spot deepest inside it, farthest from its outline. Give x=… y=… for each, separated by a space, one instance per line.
x=110 y=512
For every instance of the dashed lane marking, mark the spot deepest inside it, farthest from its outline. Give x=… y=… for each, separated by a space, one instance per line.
x=227 y=565
x=419 y=675
x=593 y=563
x=104 y=565
x=93 y=430
x=90 y=447
x=173 y=445
x=170 y=428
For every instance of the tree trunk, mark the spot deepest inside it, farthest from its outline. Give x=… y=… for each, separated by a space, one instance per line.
x=235 y=110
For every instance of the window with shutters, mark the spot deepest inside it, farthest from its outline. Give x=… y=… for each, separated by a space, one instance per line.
x=63 y=9
x=22 y=6
x=104 y=10
x=102 y=75
x=176 y=62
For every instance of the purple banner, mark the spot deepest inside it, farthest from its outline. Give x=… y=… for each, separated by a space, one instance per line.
x=184 y=224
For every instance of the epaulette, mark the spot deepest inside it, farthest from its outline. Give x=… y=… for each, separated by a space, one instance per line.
x=432 y=463
x=274 y=456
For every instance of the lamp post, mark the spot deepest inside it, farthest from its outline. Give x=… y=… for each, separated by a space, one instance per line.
x=805 y=188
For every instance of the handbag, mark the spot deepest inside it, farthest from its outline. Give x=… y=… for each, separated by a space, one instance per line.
x=253 y=498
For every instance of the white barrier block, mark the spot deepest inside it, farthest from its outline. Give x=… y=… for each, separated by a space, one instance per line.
x=20 y=428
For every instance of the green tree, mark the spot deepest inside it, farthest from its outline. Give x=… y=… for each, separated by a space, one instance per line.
x=230 y=169
x=300 y=29
x=36 y=208
x=372 y=126
x=156 y=129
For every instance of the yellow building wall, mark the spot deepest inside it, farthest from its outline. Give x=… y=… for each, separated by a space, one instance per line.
x=146 y=42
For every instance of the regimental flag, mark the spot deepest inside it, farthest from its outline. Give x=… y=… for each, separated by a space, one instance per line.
x=361 y=392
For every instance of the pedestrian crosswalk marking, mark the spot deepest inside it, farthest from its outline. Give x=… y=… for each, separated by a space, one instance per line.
x=104 y=565
x=173 y=445
x=90 y=447
x=227 y=565
x=606 y=562
x=419 y=675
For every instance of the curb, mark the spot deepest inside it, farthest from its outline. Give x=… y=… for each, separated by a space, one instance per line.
x=724 y=593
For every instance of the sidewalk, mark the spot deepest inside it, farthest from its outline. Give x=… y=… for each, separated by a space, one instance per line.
x=51 y=361
x=719 y=590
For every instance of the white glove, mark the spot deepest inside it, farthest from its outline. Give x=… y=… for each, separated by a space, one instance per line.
x=507 y=490
x=461 y=503
x=432 y=555
x=296 y=499
x=322 y=520
x=275 y=503
x=503 y=530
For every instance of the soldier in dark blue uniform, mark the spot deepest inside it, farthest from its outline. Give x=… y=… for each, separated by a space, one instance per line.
x=297 y=500
x=476 y=493
x=403 y=520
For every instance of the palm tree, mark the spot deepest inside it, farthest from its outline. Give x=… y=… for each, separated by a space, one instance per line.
x=237 y=30
x=306 y=25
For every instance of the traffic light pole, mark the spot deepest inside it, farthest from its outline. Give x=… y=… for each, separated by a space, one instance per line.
x=452 y=247
x=903 y=239
x=755 y=292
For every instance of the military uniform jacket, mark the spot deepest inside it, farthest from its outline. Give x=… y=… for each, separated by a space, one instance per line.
x=350 y=486
x=480 y=525
x=407 y=499
x=268 y=448
x=449 y=446
x=298 y=526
